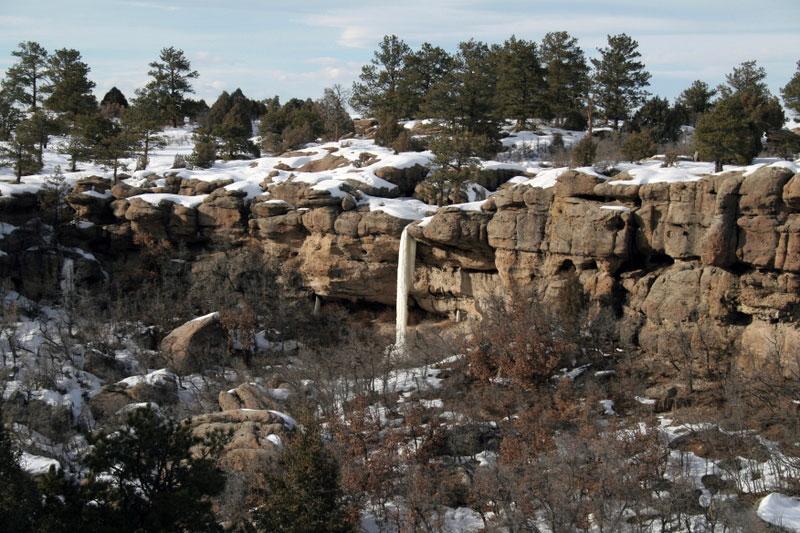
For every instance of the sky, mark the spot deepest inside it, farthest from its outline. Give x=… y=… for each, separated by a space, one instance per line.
x=297 y=48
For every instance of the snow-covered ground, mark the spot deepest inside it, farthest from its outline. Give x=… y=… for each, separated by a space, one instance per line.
x=247 y=175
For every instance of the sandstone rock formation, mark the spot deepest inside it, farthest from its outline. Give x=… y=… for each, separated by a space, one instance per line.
x=196 y=343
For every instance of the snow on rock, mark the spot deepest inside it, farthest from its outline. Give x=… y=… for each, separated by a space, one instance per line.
x=159 y=377
x=37 y=465
x=792 y=166
x=642 y=175
x=620 y=208
x=780 y=510
x=548 y=178
x=289 y=422
x=402 y=208
x=157 y=198
x=6 y=229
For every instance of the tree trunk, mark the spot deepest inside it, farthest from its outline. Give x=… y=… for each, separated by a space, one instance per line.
x=146 y=151
x=73 y=164
x=717 y=166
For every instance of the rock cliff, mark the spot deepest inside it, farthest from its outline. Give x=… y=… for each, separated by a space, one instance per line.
x=711 y=262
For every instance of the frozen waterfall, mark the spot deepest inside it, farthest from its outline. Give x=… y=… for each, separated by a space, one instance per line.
x=405 y=277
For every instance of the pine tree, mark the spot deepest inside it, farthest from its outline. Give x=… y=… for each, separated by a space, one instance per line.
x=639 y=145
x=20 y=152
x=70 y=90
x=116 y=142
x=235 y=131
x=143 y=121
x=748 y=83
x=42 y=126
x=566 y=75
x=19 y=499
x=584 y=152
x=465 y=99
x=726 y=134
x=85 y=136
x=171 y=81
x=423 y=69
x=25 y=78
x=10 y=115
x=304 y=492
x=218 y=110
x=332 y=106
x=291 y=125
x=620 y=78
x=456 y=161
x=791 y=92
x=113 y=103
x=205 y=151
x=154 y=475
x=747 y=77
x=662 y=121
x=696 y=100
x=379 y=93
x=520 y=90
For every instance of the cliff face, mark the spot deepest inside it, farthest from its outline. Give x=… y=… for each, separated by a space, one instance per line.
x=712 y=263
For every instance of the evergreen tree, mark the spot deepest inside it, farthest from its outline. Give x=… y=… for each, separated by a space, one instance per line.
x=20 y=152
x=379 y=93
x=19 y=499
x=236 y=130
x=566 y=75
x=783 y=143
x=696 y=100
x=465 y=99
x=747 y=77
x=10 y=115
x=154 y=475
x=456 y=162
x=116 y=142
x=620 y=78
x=171 y=81
x=336 y=121
x=85 y=136
x=288 y=126
x=423 y=69
x=218 y=110
x=143 y=121
x=25 y=78
x=303 y=494
x=639 y=145
x=42 y=126
x=70 y=90
x=584 y=152
x=791 y=92
x=520 y=90
x=113 y=103
x=205 y=151
x=726 y=134
x=662 y=121
x=196 y=110
x=748 y=83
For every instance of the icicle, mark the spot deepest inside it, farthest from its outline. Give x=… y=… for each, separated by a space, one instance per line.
x=405 y=277
x=317 y=305
x=67 y=278
x=458 y=315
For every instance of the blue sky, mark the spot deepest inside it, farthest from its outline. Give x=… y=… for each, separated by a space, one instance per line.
x=298 y=48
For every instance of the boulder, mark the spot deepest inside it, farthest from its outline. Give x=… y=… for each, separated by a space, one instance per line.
x=257 y=437
x=196 y=344
x=404 y=178
x=251 y=396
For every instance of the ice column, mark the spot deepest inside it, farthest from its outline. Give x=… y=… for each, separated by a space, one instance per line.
x=405 y=277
